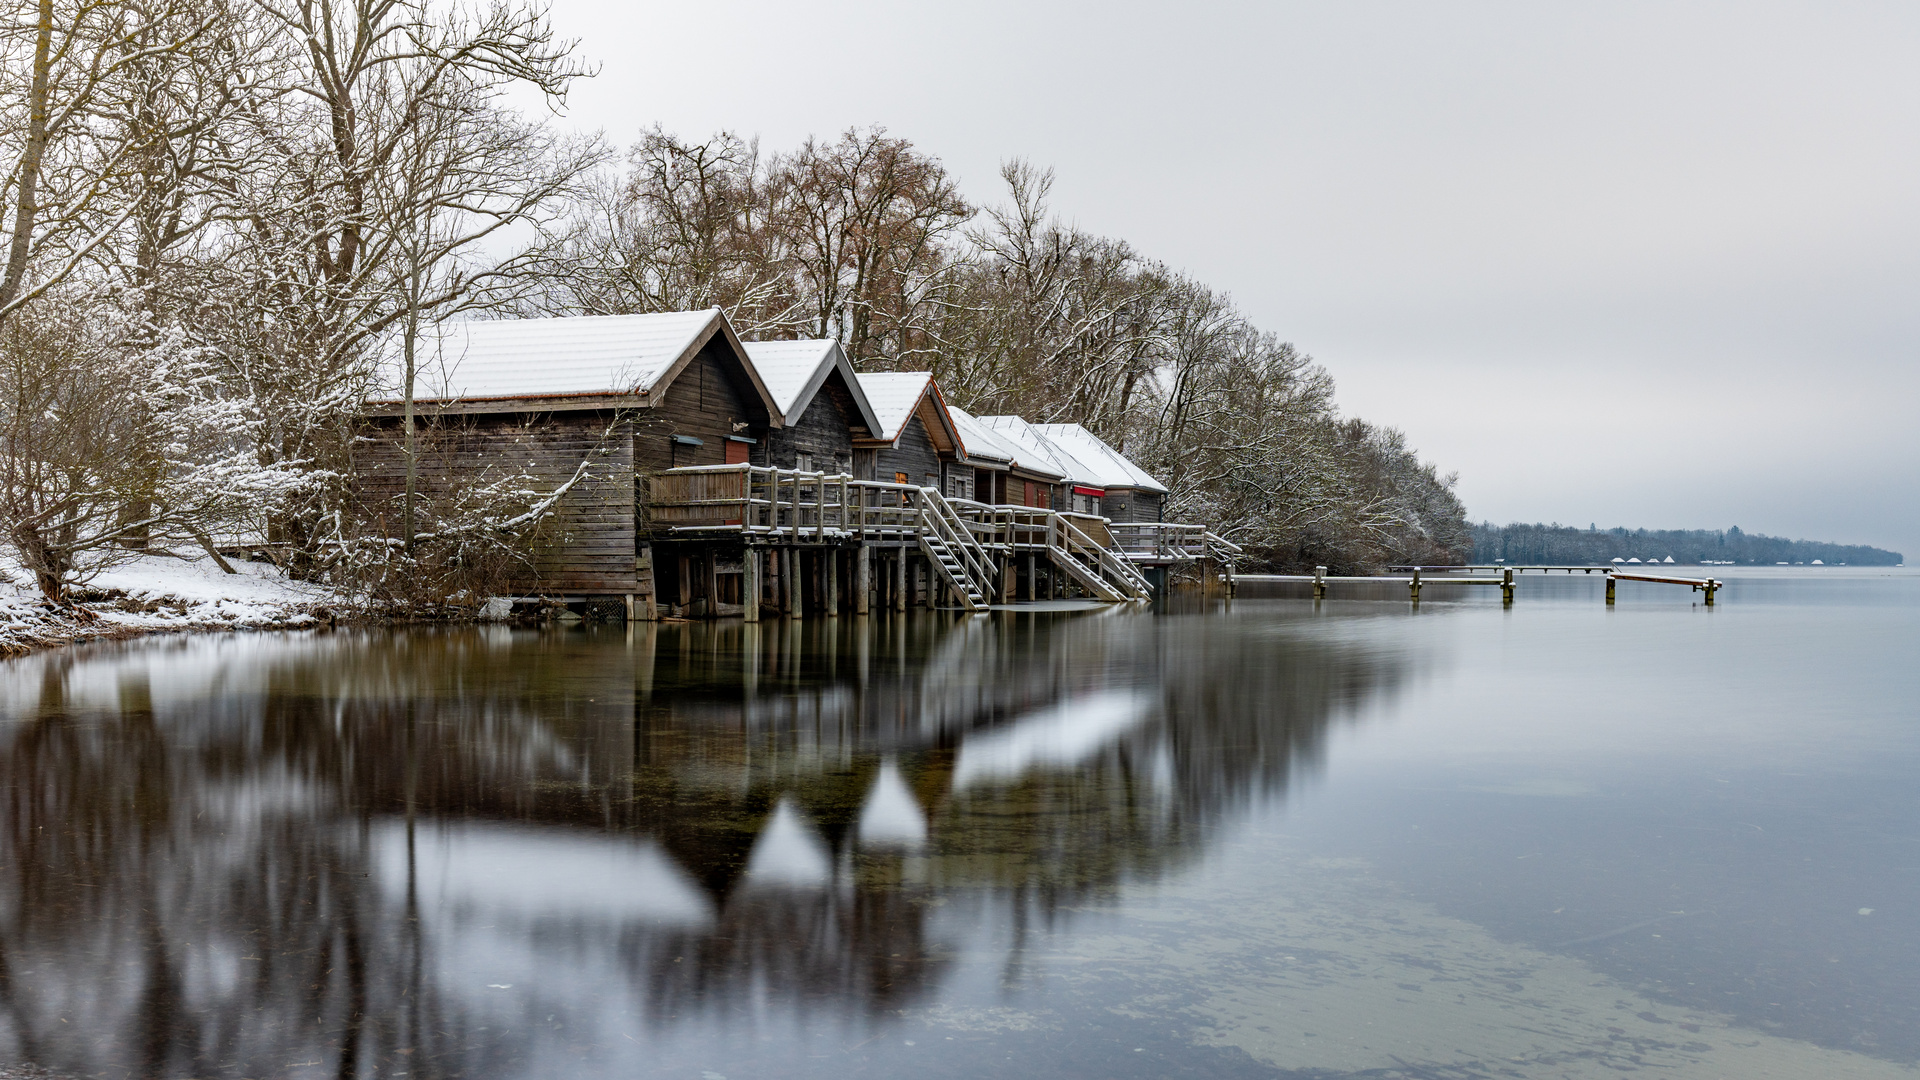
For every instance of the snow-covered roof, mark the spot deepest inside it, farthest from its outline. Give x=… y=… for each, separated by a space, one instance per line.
x=1033 y=450
x=894 y=395
x=1108 y=467
x=982 y=444
x=559 y=357
x=794 y=371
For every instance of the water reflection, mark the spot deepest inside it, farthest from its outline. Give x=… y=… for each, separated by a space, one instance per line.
x=485 y=852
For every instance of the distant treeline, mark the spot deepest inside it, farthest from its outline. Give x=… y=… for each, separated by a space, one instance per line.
x=1565 y=544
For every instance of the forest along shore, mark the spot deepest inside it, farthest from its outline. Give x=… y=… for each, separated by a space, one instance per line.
x=160 y=593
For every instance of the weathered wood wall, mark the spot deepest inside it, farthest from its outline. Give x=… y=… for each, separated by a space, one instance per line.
x=588 y=544
x=915 y=455
x=1125 y=505
x=709 y=396
x=824 y=429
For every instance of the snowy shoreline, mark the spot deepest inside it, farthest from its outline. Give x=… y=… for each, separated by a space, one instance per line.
x=159 y=594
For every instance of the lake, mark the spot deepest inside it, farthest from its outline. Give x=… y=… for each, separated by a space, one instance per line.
x=1257 y=839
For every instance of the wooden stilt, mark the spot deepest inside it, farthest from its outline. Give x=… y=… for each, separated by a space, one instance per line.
x=710 y=571
x=862 y=580
x=831 y=556
x=900 y=580
x=798 y=588
x=750 y=583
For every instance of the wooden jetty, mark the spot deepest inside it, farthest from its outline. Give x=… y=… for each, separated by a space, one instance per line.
x=1418 y=576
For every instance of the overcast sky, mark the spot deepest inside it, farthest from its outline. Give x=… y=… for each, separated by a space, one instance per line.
x=1635 y=264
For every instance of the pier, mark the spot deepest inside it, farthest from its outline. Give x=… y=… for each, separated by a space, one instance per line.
x=1507 y=580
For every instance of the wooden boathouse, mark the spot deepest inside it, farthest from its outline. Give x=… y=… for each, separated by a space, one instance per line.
x=704 y=476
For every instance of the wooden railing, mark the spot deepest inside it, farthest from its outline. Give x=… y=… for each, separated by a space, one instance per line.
x=1167 y=542
x=801 y=506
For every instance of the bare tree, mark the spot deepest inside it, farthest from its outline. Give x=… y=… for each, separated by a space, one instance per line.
x=90 y=126
x=686 y=227
x=380 y=173
x=866 y=221
x=100 y=411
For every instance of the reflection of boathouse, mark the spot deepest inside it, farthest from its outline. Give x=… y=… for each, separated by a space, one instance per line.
x=704 y=475
x=335 y=848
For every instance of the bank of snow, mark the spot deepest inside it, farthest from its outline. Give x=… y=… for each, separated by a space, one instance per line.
x=155 y=593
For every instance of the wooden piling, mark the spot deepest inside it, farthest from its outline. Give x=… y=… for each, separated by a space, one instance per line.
x=796 y=585
x=831 y=557
x=1319 y=583
x=750 y=583
x=900 y=580
x=1414 y=585
x=862 y=580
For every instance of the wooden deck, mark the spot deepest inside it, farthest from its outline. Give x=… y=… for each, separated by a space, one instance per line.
x=971 y=545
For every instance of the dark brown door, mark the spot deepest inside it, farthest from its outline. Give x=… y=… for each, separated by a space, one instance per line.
x=737 y=452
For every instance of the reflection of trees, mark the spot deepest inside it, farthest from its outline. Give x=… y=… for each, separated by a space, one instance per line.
x=225 y=855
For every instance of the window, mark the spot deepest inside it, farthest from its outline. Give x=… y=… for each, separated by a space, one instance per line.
x=803 y=461
x=959 y=488
x=900 y=478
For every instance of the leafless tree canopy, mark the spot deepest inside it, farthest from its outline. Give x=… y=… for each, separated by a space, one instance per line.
x=866 y=240
x=213 y=213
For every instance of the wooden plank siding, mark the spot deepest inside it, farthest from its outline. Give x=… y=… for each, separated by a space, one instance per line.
x=705 y=401
x=1125 y=504
x=587 y=546
x=824 y=429
x=913 y=454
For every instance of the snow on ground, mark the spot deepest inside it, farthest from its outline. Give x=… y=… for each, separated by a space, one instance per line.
x=157 y=593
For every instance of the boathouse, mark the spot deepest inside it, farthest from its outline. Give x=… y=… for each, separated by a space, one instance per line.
x=820 y=403
x=1123 y=490
x=592 y=404
x=1017 y=478
x=916 y=441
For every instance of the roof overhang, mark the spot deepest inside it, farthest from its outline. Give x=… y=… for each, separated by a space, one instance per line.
x=837 y=361
x=639 y=398
x=721 y=326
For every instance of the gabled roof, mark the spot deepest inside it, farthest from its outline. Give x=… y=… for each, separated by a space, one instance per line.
x=898 y=395
x=572 y=356
x=1033 y=450
x=794 y=372
x=982 y=444
x=894 y=395
x=1107 y=466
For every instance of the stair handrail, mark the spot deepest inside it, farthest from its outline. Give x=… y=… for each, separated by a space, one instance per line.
x=942 y=520
x=1104 y=560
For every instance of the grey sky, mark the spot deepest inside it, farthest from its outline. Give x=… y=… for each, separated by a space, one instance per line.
x=1645 y=264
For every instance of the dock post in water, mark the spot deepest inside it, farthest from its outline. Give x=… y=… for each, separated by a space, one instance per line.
x=1609 y=588
x=1506 y=585
x=1319 y=583
x=832 y=558
x=1710 y=588
x=1414 y=585
x=750 y=584
x=862 y=580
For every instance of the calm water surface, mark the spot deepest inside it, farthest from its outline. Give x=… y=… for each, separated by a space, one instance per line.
x=1271 y=839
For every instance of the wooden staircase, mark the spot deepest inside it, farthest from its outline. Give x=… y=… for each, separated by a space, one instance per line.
x=1096 y=568
x=949 y=544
